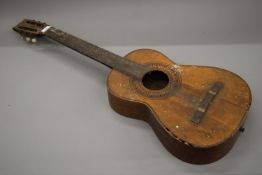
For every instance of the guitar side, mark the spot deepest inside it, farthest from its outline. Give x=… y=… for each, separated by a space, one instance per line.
x=169 y=115
x=196 y=111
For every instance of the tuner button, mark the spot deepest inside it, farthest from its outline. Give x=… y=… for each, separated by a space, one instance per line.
x=27 y=39
x=34 y=40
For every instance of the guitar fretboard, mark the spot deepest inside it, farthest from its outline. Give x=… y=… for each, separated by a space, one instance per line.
x=101 y=55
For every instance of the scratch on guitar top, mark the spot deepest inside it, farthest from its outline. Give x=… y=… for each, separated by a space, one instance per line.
x=183 y=90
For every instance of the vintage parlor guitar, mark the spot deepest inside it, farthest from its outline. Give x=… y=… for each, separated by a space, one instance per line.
x=196 y=112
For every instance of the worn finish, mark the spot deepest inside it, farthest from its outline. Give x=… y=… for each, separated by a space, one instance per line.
x=196 y=111
x=206 y=102
x=99 y=54
x=34 y=28
x=170 y=116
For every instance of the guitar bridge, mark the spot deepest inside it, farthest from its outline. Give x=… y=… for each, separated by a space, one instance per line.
x=205 y=102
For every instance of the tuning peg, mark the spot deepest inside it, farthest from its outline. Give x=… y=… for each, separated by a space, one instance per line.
x=28 y=39
x=33 y=40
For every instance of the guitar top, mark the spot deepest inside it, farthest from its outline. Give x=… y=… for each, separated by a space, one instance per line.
x=197 y=112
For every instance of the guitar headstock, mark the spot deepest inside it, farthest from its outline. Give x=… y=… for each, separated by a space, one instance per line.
x=30 y=28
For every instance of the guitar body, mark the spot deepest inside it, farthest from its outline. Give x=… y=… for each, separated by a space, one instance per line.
x=196 y=111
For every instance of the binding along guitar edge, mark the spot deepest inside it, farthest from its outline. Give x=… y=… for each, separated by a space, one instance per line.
x=197 y=112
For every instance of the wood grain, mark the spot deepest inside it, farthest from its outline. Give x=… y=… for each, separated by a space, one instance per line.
x=170 y=114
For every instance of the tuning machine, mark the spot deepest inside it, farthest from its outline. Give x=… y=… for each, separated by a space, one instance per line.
x=33 y=40
x=29 y=39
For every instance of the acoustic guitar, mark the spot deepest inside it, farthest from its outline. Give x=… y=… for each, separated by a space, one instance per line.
x=197 y=112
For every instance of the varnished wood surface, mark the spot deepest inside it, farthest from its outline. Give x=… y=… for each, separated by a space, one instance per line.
x=170 y=115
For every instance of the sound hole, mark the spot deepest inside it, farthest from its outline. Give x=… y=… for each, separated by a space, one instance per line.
x=155 y=80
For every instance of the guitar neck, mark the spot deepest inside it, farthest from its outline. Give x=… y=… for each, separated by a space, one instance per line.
x=101 y=55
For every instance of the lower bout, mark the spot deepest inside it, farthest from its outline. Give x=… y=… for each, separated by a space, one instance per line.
x=177 y=147
x=187 y=152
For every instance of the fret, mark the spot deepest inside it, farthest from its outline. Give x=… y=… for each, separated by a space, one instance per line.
x=196 y=111
x=101 y=55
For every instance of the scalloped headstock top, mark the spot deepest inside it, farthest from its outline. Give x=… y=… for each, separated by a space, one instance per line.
x=30 y=28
